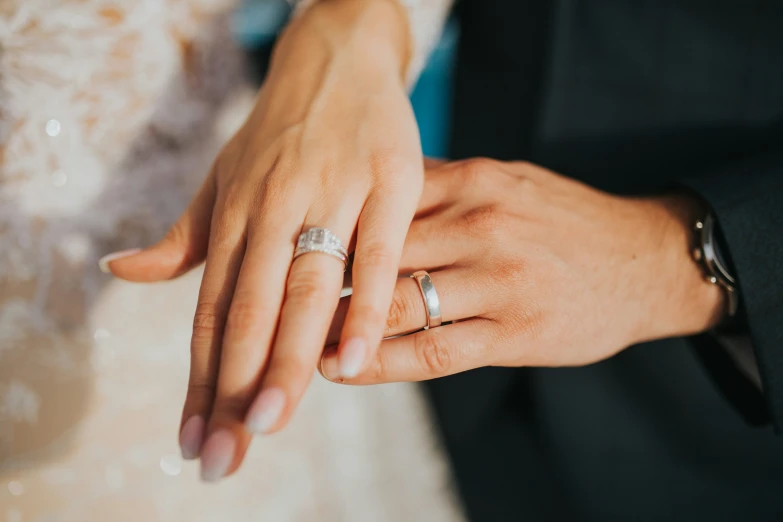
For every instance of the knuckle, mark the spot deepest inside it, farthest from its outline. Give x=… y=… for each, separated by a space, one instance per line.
x=521 y=167
x=233 y=196
x=525 y=186
x=514 y=272
x=206 y=321
x=203 y=391
x=484 y=220
x=306 y=287
x=475 y=171
x=401 y=312
x=224 y=244
x=529 y=174
x=376 y=255
x=225 y=236
x=275 y=187
x=243 y=317
x=432 y=353
x=529 y=323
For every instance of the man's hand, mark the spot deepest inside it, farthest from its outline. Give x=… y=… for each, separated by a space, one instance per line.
x=536 y=270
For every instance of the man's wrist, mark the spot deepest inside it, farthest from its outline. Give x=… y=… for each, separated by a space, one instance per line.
x=683 y=301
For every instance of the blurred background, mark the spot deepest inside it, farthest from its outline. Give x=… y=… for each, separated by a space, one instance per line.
x=110 y=116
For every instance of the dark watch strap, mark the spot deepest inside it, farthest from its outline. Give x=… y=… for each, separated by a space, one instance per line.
x=722 y=252
x=712 y=257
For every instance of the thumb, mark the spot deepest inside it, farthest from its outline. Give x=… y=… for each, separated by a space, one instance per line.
x=183 y=247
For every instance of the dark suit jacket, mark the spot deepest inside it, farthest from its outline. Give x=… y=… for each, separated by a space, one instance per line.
x=631 y=96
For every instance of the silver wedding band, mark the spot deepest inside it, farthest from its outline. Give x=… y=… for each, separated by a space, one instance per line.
x=321 y=240
x=430 y=296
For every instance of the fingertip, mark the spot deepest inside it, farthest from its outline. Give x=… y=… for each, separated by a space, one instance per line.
x=191 y=437
x=329 y=366
x=265 y=411
x=217 y=455
x=104 y=263
x=157 y=263
x=352 y=356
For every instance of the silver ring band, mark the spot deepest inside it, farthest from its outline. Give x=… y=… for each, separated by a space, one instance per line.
x=431 y=300
x=321 y=240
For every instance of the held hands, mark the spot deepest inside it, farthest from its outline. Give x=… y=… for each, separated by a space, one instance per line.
x=532 y=268
x=535 y=269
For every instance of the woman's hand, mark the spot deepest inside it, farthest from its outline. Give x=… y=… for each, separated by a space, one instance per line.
x=536 y=270
x=332 y=142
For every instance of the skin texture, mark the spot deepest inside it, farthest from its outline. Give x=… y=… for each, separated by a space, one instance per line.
x=331 y=142
x=537 y=270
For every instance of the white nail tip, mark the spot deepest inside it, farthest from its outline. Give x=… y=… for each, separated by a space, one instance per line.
x=352 y=358
x=103 y=263
x=265 y=413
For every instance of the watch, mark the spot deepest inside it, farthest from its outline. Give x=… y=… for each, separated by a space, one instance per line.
x=709 y=254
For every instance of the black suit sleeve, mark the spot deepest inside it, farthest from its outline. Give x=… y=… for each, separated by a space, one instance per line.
x=747 y=199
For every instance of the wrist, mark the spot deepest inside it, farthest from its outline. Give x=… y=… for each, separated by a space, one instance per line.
x=681 y=301
x=366 y=37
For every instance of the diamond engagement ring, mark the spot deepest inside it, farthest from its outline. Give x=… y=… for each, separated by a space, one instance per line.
x=321 y=240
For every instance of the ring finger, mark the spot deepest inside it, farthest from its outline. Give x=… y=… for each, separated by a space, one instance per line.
x=312 y=294
x=460 y=298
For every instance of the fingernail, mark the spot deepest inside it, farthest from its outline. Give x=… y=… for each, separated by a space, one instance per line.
x=329 y=365
x=191 y=437
x=216 y=455
x=103 y=263
x=265 y=411
x=352 y=357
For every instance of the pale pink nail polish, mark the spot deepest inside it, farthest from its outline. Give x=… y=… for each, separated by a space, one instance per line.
x=103 y=263
x=191 y=437
x=216 y=455
x=352 y=357
x=265 y=411
x=329 y=365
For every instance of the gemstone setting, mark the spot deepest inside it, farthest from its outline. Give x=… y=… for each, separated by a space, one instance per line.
x=321 y=240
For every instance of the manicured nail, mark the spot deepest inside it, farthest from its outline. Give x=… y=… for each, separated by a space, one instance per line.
x=191 y=437
x=103 y=263
x=352 y=357
x=330 y=365
x=265 y=411
x=216 y=455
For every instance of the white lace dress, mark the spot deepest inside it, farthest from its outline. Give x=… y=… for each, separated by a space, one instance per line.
x=110 y=114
